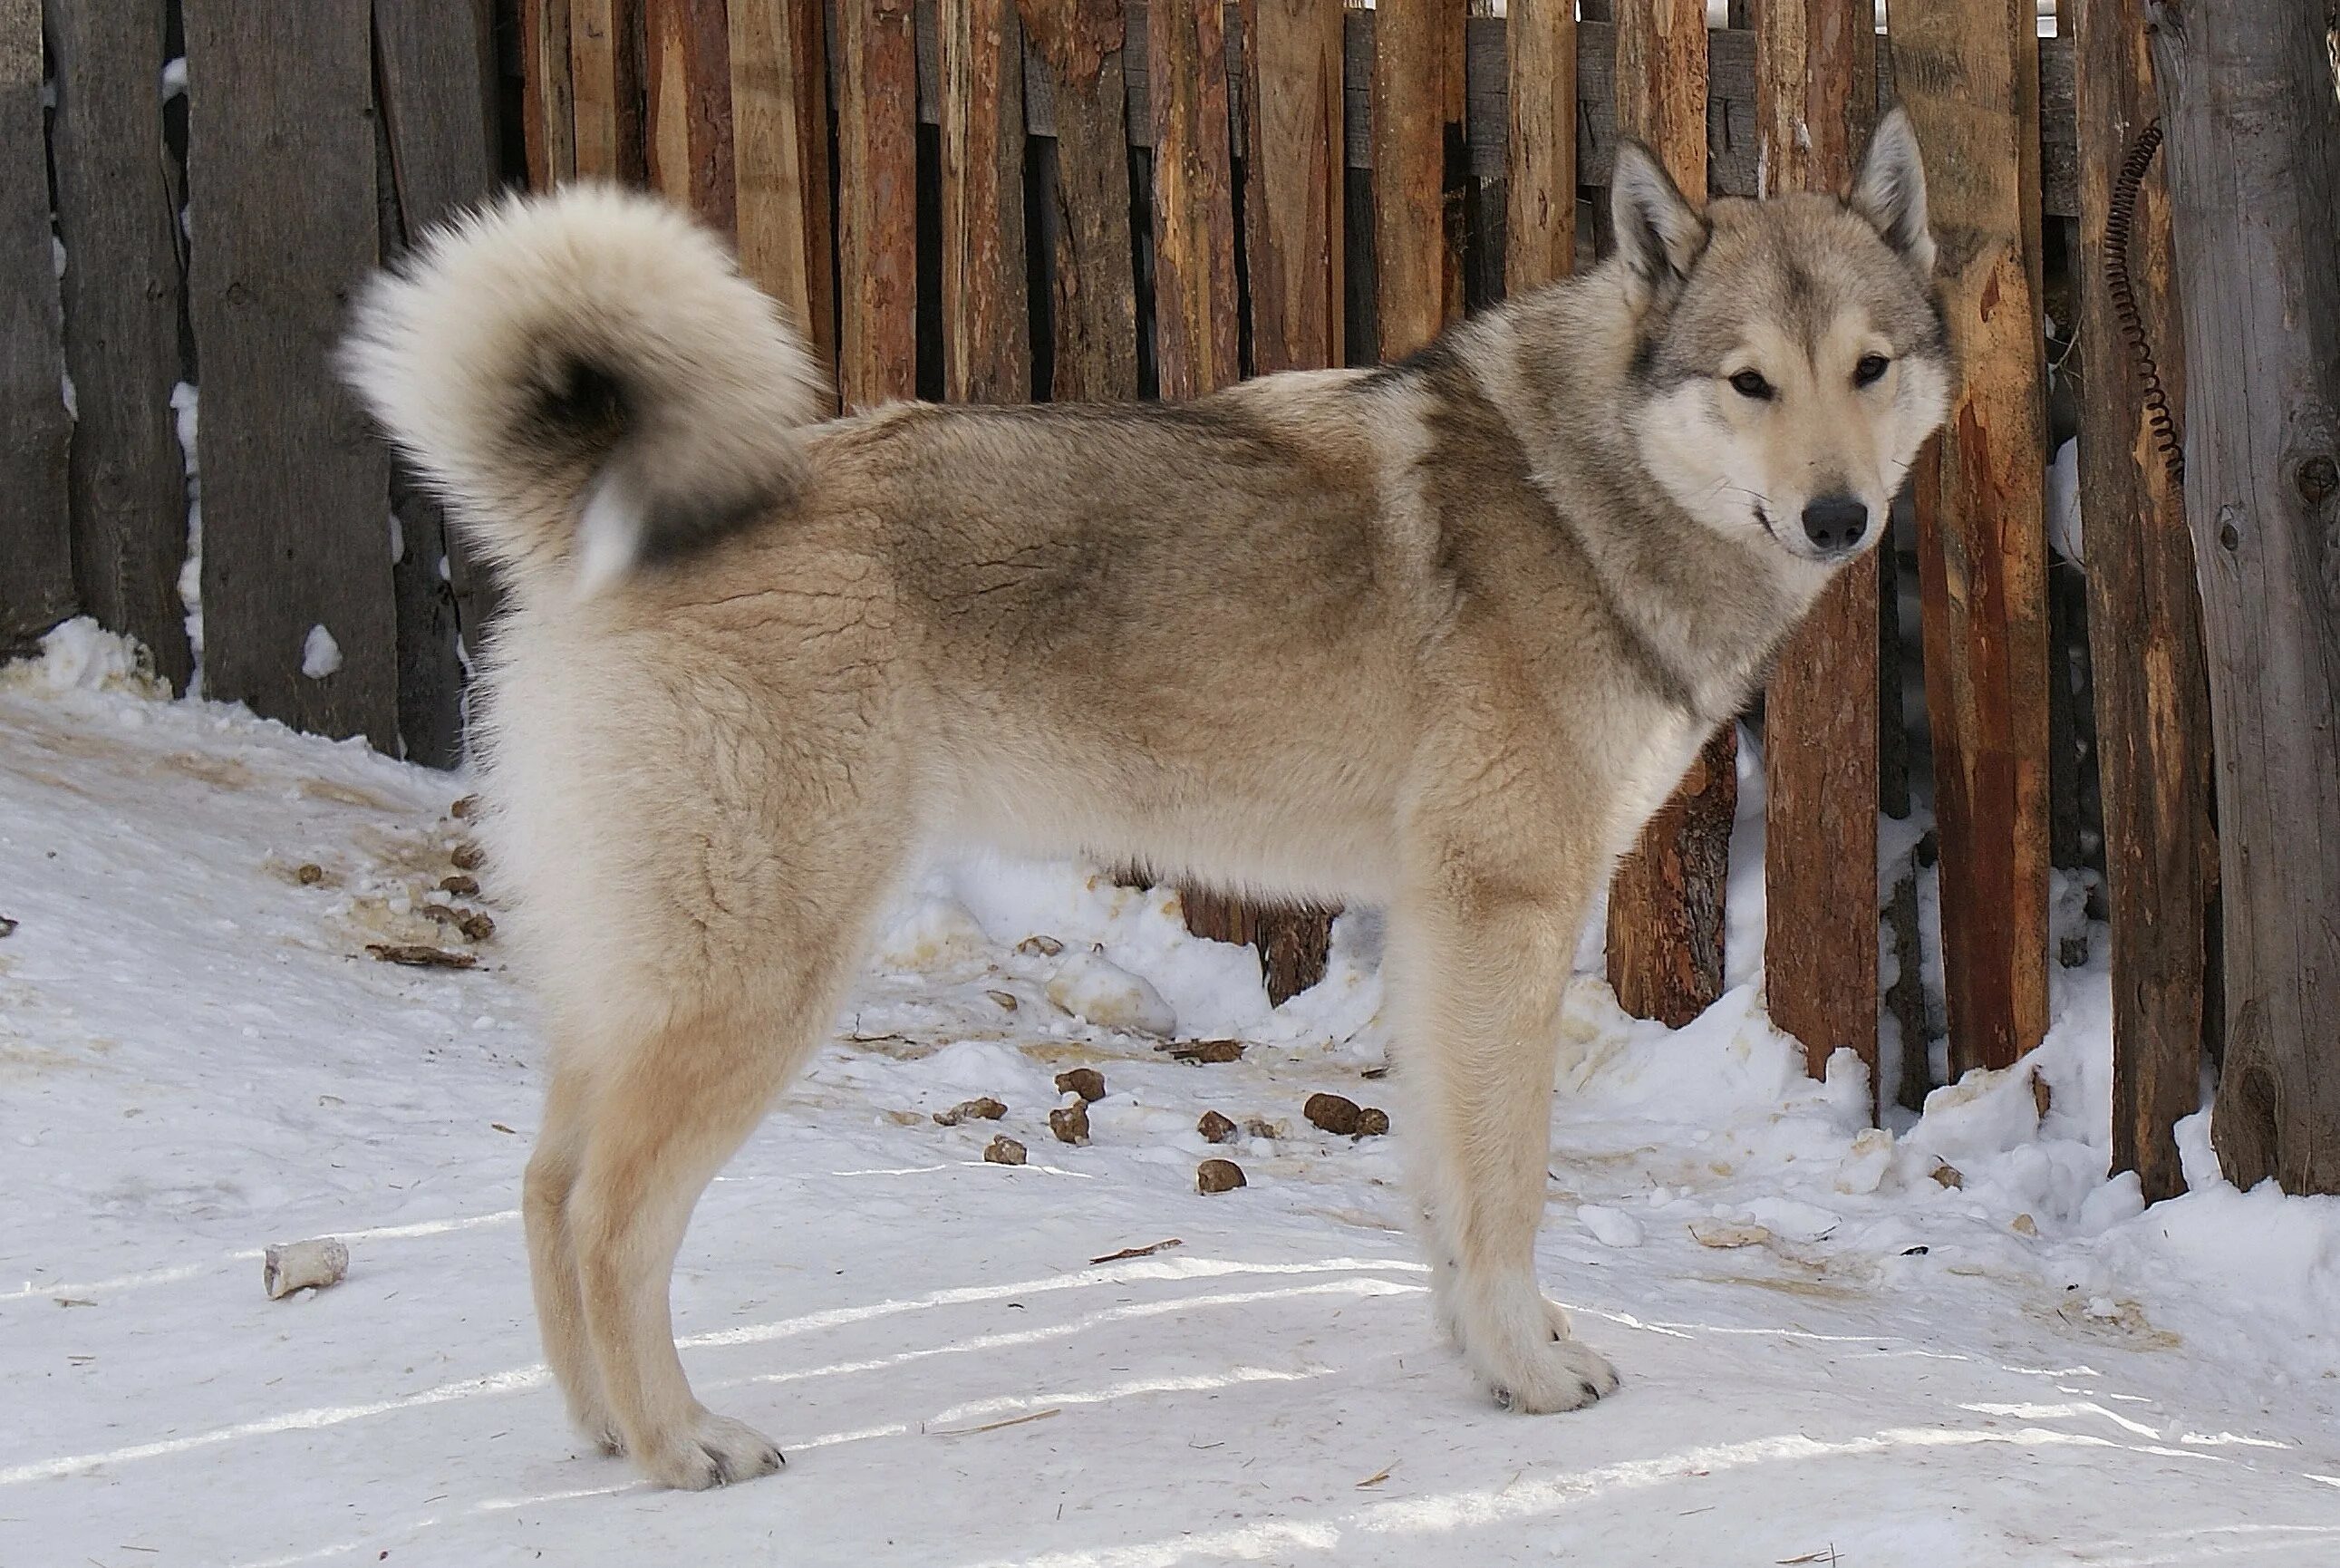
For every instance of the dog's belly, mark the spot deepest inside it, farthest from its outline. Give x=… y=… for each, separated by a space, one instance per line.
x=1303 y=833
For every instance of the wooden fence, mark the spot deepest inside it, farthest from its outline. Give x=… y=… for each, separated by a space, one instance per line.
x=983 y=201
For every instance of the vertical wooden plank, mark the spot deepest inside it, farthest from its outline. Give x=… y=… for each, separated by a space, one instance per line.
x=1967 y=72
x=1073 y=49
x=121 y=291
x=548 y=110
x=687 y=70
x=1666 y=904
x=296 y=488
x=1194 y=304
x=436 y=133
x=1816 y=96
x=1293 y=193
x=1540 y=164
x=876 y=217
x=1417 y=97
x=606 y=86
x=779 y=125
x=2145 y=623
x=986 y=321
x=36 y=586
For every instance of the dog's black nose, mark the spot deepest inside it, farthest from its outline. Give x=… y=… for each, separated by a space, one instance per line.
x=1836 y=522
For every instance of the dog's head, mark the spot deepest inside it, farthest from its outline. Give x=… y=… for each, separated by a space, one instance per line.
x=1791 y=354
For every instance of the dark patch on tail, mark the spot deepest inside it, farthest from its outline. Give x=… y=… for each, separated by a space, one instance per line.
x=582 y=406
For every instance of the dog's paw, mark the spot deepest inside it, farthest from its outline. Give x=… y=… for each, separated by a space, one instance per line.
x=709 y=1450
x=1559 y=1373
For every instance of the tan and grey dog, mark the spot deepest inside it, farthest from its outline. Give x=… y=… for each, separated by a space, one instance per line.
x=1439 y=637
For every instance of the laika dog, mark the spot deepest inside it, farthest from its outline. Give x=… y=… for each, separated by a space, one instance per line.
x=1438 y=637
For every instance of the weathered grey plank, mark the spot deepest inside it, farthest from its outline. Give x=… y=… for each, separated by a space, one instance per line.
x=436 y=62
x=121 y=291
x=296 y=488
x=36 y=587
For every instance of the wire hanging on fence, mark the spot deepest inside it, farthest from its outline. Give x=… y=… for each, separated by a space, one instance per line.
x=2120 y=217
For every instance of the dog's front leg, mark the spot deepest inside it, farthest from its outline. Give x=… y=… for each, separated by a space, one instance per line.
x=1478 y=962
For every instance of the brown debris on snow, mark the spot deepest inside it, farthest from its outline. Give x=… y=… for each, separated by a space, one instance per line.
x=1203 y=1051
x=1218 y=1176
x=985 y=1109
x=1070 y=1123
x=1003 y=1150
x=1216 y=1127
x=1086 y=1082
x=415 y=955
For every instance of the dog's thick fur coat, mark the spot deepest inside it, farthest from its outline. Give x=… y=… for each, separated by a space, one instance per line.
x=1439 y=636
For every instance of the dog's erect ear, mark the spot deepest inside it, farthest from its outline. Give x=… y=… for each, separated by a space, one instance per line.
x=1891 y=191
x=1659 y=234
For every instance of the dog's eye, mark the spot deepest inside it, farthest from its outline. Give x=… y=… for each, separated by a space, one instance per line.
x=1751 y=383
x=1869 y=369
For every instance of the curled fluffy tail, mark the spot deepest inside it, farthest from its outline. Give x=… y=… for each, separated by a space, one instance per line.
x=589 y=379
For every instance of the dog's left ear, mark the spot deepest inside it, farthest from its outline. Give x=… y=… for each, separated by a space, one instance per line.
x=1891 y=191
x=1659 y=234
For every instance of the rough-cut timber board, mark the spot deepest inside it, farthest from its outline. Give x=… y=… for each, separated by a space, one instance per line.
x=548 y=116
x=986 y=319
x=779 y=126
x=686 y=71
x=122 y=293
x=1194 y=304
x=1666 y=904
x=1291 y=198
x=435 y=64
x=1073 y=55
x=296 y=488
x=2253 y=151
x=606 y=86
x=877 y=182
x=1815 y=94
x=1417 y=93
x=2145 y=625
x=1967 y=69
x=36 y=587
x=1539 y=168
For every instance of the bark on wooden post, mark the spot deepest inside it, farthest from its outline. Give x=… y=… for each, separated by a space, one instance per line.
x=1417 y=94
x=606 y=87
x=299 y=616
x=1540 y=164
x=1967 y=72
x=686 y=67
x=121 y=290
x=548 y=117
x=1292 y=199
x=36 y=587
x=2254 y=150
x=877 y=220
x=1815 y=99
x=986 y=321
x=1075 y=48
x=1666 y=903
x=2145 y=623
x=1194 y=304
x=779 y=130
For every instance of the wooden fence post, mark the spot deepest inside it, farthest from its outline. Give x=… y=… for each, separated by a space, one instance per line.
x=877 y=202
x=2254 y=150
x=1816 y=96
x=779 y=128
x=548 y=116
x=1417 y=93
x=1540 y=164
x=987 y=319
x=606 y=87
x=1666 y=903
x=1293 y=193
x=1967 y=72
x=686 y=67
x=2144 y=622
x=1073 y=52
x=298 y=615
x=36 y=587
x=121 y=290
x=435 y=128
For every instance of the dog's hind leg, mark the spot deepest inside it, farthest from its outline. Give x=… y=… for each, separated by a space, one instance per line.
x=552 y=1249
x=1478 y=960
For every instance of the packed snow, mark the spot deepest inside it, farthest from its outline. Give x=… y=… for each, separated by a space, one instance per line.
x=1952 y=1342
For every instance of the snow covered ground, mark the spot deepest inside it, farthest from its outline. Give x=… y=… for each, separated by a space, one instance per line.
x=198 y=1058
